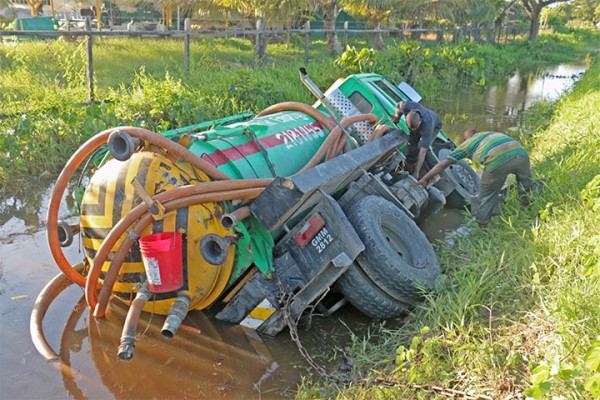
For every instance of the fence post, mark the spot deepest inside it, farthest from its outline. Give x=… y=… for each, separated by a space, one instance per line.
x=187 y=25
x=306 y=42
x=89 y=60
x=345 y=36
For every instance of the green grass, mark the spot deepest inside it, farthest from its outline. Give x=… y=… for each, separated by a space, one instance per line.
x=518 y=310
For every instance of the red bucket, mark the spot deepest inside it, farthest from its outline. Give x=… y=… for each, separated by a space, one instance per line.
x=163 y=261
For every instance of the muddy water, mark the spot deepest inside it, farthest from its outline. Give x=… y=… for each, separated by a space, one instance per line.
x=209 y=360
x=502 y=107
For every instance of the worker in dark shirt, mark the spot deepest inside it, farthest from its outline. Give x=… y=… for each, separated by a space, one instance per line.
x=423 y=125
x=500 y=156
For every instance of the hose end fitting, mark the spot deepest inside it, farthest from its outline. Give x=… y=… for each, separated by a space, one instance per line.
x=214 y=248
x=228 y=221
x=122 y=145
x=176 y=315
x=126 y=348
x=127 y=345
x=66 y=233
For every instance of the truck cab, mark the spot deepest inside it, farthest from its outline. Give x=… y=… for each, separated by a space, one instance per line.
x=371 y=93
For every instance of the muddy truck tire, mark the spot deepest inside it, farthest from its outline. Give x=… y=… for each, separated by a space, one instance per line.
x=367 y=297
x=397 y=264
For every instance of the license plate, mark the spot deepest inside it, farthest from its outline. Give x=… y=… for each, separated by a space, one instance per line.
x=321 y=240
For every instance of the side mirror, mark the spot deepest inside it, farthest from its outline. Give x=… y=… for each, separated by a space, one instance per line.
x=409 y=92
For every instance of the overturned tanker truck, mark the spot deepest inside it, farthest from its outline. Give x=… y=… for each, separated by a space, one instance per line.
x=266 y=215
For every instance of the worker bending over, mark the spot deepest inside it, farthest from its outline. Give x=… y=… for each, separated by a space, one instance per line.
x=500 y=156
x=424 y=126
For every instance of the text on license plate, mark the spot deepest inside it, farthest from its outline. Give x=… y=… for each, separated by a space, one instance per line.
x=321 y=240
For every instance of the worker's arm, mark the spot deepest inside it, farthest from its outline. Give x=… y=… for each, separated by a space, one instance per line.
x=420 y=160
x=439 y=167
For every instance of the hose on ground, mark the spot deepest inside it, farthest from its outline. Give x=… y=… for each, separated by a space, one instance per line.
x=52 y=289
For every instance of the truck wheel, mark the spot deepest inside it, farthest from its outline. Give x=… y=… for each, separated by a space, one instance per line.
x=397 y=256
x=366 y=297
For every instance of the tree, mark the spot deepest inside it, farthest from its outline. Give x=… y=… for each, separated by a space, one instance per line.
x=583 y=10
x=533 y=8
x=374 y=12
x=502 y=8
x=258 y=13
x=475 y=13
x=330 y=12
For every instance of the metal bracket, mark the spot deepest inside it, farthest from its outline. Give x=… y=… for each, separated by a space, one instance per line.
x=154 y=206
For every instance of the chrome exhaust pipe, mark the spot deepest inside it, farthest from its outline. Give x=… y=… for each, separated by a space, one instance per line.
x=314 y=89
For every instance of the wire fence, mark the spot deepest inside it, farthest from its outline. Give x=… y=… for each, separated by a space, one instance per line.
x=157 y=50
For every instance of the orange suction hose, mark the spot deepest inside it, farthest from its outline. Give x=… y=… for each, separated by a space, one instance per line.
x=329 y=146
x=349 y=121
x=301 y=107
x=55 y=199
x=52 y=289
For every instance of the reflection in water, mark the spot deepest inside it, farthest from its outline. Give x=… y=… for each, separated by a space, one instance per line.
x=25 y=212
x=211 y=364
x=217 y=360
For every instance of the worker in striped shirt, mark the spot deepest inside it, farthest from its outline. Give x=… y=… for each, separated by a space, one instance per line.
x=500 y=156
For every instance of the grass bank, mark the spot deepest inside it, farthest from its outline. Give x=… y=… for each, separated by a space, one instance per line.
x=517 y=312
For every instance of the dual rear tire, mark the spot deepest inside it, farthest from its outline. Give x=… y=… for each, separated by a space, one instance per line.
x=397 y=265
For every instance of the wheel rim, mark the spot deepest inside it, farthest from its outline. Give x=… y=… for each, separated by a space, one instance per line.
x=397 y=242
x=464 y=178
